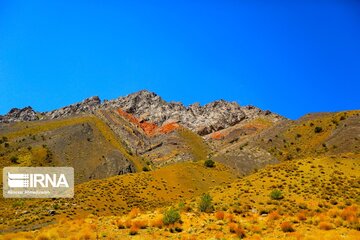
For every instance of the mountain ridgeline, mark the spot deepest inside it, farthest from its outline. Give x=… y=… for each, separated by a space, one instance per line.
x=141 y=131
x=148 y=106
x=140 y=151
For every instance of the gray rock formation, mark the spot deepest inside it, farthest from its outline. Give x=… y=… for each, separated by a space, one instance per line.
x=149 y=106
x=114 y=164
x=89 y=105
x=205 y=119
x=19 y=115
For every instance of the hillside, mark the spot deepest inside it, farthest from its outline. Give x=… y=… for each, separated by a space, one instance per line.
x=116 y=195
x=137 y=156
x=252 y=144
x=83 y=142
x=318 y=201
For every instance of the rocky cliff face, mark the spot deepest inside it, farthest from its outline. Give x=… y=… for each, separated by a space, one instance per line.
x=89 y=105
x=201 y=119
x=150 y=107
x=205 y=119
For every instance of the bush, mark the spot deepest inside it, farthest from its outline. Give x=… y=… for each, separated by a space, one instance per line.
x=171 y=216
x=209 y=163
x=141 y=224
x=158 y=223
x=14 y=159
x=274 y=216
x=134 y=212
x=301 y=216
x=134 y=230
x=220 y=215
x=146 y=169
x=287 y=227
x=237 y=229
x=276 y=194
x=325 y=226
x=206 y=203
x=318 y=129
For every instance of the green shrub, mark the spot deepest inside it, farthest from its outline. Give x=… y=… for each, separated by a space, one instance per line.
x=18 y=203
x=209 y=163
x=171 y=216
x=146 y=169
x=276 y=194
x=14 y=159
x=206 y=203
x=318 y=129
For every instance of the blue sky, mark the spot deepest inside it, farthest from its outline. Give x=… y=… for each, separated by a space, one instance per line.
x=292 y=58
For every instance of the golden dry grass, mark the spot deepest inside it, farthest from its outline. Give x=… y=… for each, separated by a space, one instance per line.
x=120 y=194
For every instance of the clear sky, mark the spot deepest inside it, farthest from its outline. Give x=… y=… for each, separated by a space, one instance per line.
x=292 y=58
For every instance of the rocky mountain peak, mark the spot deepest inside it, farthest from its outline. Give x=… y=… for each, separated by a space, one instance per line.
x=150 y=107
x=18 y=115
x=89 y=105
x=92 y=101
x=201 y=119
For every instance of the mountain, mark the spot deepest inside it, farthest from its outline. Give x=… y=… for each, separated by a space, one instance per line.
x=124 y=135
x=139 y=153
x=148 y=106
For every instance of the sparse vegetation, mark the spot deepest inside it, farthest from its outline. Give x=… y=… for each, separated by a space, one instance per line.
x=325 y=226
x=209 y=163
x=319 y=193
x=318 y=129
x=171 y=216
x=206 y=203
x=14 y=160
x=287 y=227
x=276 y=194
x=220 y=215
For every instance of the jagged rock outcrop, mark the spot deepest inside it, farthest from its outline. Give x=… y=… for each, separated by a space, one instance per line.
x=150 y=107
x=252 y=112
x=201 y=119
x=19 y=115
x=89 y=105
x=205 y=119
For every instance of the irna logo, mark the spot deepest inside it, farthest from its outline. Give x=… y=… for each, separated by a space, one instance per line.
x=19 y=180
x=38 y=182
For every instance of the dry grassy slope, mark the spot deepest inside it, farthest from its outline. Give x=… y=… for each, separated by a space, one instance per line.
x=305 y=181
x=196 y=144
x=253 y=144
x=231 y=146
x=337 y=133
x=82 y=142
x=117 y=195
x=320 y=202
x=324 y=178
x=177 y=146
